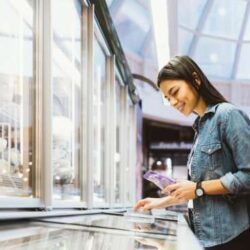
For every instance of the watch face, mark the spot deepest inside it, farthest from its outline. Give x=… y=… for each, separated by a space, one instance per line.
x=199 y=192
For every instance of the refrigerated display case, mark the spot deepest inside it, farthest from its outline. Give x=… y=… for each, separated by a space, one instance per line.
x=103 y=231
x=63 y=122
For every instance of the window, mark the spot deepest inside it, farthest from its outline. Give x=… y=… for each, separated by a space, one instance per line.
x=64 y=132
x=100 y=95
x=16 y=98
x=118 y=169
x=66 y=90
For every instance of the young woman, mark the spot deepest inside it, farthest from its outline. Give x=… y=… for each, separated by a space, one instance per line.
x=219 y=162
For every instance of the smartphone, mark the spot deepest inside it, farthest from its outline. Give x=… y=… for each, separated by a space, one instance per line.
x=159 y=180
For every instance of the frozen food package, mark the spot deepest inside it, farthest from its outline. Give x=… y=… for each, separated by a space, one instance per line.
x=159 y=180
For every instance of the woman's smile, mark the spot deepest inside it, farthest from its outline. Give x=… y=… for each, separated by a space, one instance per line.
x=180 y=106
x=183 y=97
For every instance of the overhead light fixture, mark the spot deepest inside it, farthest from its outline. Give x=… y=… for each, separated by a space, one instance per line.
x=222 y=12
x=161 y=32
x=213 y=57
x=158 y=163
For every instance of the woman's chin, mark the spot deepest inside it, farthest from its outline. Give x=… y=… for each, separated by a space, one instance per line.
x=186 y=112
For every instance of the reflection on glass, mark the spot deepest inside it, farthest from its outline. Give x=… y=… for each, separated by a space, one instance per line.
x=50 y=237
x=66 y=65
x=157 y=244
x=16 y=97
x=133 y=223
x=99 y=121
x=117 y=171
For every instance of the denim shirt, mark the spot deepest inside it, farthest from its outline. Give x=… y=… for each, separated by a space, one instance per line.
x=222 y=152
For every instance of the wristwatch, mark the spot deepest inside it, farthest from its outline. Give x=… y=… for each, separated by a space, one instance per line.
x=199 y=191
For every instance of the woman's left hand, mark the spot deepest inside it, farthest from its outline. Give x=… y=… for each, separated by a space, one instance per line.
x=184 y=190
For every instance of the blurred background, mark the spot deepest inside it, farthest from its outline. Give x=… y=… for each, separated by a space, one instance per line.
x=215 y=33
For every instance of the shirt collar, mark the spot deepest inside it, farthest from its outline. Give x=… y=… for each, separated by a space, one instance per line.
x=211 y=108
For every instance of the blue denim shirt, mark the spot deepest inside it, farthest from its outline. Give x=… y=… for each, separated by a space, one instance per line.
x=222 y=152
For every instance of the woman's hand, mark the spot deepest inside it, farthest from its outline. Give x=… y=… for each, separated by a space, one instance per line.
x=184 y=190
x=150 y=203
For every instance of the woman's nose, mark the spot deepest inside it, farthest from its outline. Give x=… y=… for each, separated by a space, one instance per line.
x=173 y=101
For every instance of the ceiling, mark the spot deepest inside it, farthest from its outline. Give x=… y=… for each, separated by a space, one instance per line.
x=215 y=33
x=133 y=22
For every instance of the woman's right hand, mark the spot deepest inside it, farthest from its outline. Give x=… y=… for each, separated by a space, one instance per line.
x=150 y=203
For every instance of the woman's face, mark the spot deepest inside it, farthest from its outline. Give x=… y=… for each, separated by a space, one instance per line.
x=181 y=95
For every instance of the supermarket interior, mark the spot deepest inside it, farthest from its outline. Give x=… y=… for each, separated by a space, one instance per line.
x=97 y=115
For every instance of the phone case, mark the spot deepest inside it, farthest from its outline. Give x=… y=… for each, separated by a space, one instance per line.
x=159 y=180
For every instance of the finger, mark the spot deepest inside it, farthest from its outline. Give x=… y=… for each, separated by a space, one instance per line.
x=139 y=204
x=165 y=191
x=147 y=207
x=175 y=193
x=170 y=188
x=136 y=206
x=179 y=196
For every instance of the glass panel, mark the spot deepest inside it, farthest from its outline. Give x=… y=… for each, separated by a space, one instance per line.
x=218 y=57
x=131 y=175
x=66 y=67
x=109 y=2
x=128 y=172
x=134 y=42
x=225 y=18
x=189 y=12
x=243 y=67
x=184 y=39
x=99 y=121
x=138 y=234
x=136 y=24
x=16 y=97
x=117 y=171
x=247 y=30
x=124 y=221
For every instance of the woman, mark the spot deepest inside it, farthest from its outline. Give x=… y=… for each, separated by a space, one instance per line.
x=219 y=162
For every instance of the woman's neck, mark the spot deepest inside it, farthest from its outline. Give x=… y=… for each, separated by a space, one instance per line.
x=200 y=107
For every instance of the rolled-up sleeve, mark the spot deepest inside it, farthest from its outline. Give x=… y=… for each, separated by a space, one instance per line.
x=236 y=133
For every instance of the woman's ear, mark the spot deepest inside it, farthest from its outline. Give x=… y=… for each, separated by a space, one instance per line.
x=196 y=78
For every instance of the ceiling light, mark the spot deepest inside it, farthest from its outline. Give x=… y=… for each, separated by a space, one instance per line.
x=158 y=163
x=213 y=57
x=160 y=27
x=222 y=12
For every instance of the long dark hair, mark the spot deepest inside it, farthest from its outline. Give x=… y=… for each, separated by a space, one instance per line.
x=184 y=68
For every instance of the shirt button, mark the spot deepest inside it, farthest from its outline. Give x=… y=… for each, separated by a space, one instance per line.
x=209 y=150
